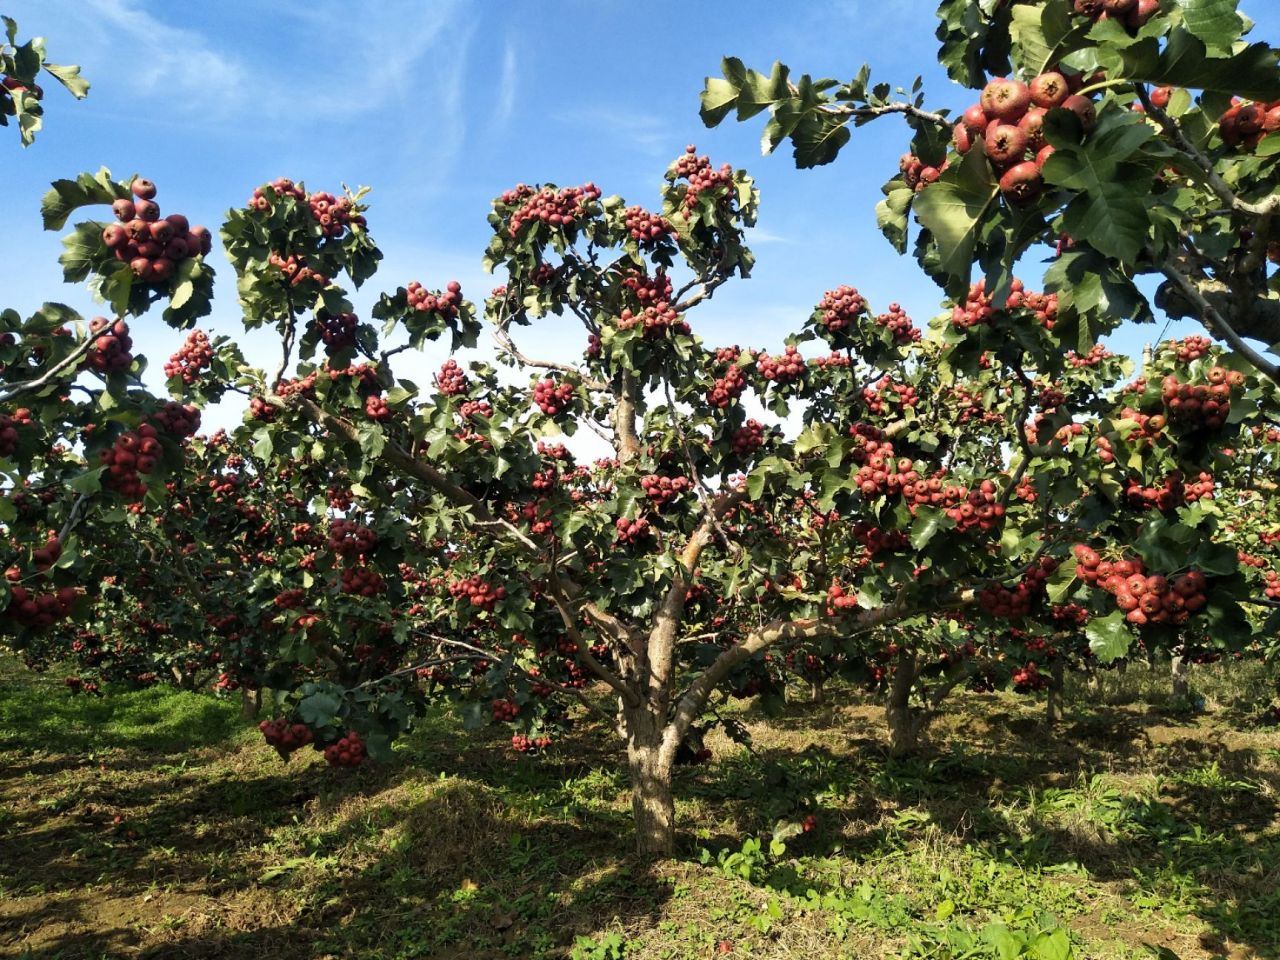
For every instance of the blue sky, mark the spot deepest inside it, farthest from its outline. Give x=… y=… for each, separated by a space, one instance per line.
x=441 y=104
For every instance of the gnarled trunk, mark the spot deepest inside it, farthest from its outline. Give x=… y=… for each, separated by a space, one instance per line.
x=652 y=803
x=250 y=704
x=1181 y=688
x=1054 y=708
x=817 y=691
x=905 y=723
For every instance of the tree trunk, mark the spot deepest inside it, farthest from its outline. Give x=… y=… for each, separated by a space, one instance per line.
x=652 y=803
x=250 y=704
x=1181 y=688
x=1055 y=692
x=817 y=692
x=904 y=724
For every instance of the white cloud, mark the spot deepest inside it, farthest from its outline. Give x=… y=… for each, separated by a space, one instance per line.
x=505 y=101
x=646 y=132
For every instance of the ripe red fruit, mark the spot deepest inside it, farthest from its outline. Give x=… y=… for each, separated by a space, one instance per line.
x=162 y=269
x=1006 y=100
x=1250 y=119
x=179 y=222
x=1045 y=153
x=1022 y=183
x=141 y=267
x=123 y=209
x=1083 y=108
x=147 y=210
x=1006 y=144
x=1119 y=8
x=162 y=231
x=1049 y=90
x=1142 y=11
x=143 y=189
x=1032 y=124
x=975 y=120
x=115 y=236
x=1160 y=96
x=963 y=139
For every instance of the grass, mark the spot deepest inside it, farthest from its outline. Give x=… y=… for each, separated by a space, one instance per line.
x=155 y=824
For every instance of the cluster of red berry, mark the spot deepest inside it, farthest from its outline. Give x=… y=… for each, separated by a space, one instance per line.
x=348 y=751
x=295 y=269
x=480 y=594
x=748 y=438
x=885 y=392
x=334 y=214
x=552 y=398
x=663 y=490
x=1197 y=405
x=646 y=227
x=841 y=307
x=375 y=408
x=1143 y=598
x=32 y=608
x=1172 y=494
x=1097 y=353
x=784 y=369
x=451 y=381
x=977 y=307
x=447 y=303
x=702 y=178
x=152 y=247
x=556 y=208
x=522 y=744
x=350 y=539
x=362 y=582
x=1271 y=585
x=1028 y=678
x=192 y=358
x=177 y=419
x=1009 y=117
x=896 y=321
x=917 y=174
x=727 y=389
x=656 y=319
x=632 y=532
x=1246 y=123
x=111 y=346
x=134 y=453
x=504 y=711
x=284 y=736
x=647 y=289
x=840 y=599
x=1009 y=604
x=337 y=330
x=9 y=424
x=1188 y=348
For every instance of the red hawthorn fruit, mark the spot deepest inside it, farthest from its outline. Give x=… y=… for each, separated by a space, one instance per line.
x=1119 y=8
x=1083 y=108
x=115 y=236
x=1045 y=153
x=1006 y=143
x=1022 y=183
x=1160 y=96
x=1142 y=12
x=1005 y=100
x=1032 y=124
x=147 y=210
x=962 y=138
x=1049 y=90
x=123 y=210
x=143 y=189
x=975 y=120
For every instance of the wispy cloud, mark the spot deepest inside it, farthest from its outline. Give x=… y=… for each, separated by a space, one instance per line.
x=758 y=236
x=646 y=132
x=505 y=100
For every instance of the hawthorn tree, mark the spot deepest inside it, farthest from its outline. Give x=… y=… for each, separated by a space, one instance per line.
x=365 y=545
x=20 y=95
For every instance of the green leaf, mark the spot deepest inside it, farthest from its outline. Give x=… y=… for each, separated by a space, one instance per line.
x=1055 y=945
x=891 y=213
x=817 y=138
x=66 y=196
x=89 y=482
x=720 y=96
x=952 y=210
x=319 y=709
x=1042 y=35
x=1109 y=637
x=1215 y=22
x=69 y=77
x=1253 y=72
x=927 y=524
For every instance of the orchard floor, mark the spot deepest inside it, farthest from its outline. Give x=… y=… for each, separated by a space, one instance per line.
x=155 y=825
